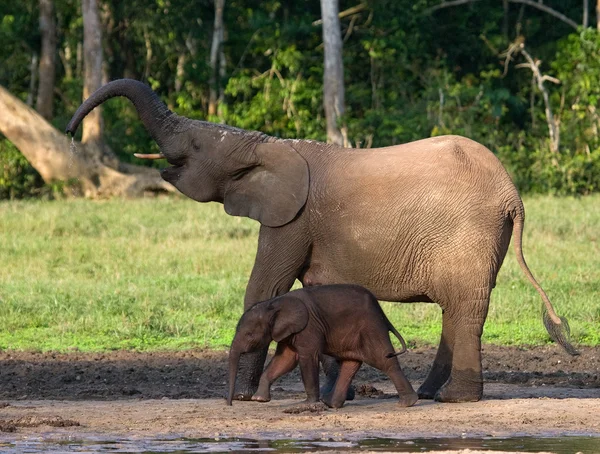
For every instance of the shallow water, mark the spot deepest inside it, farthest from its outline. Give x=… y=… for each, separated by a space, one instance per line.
x=558 y=445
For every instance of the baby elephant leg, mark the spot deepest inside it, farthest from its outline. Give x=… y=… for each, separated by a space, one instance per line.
x=331 y=367
x=337 y=397
x=309 y=369
x=407 y=395
x=284 y=361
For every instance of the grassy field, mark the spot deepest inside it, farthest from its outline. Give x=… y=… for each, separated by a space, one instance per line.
x=170 y=273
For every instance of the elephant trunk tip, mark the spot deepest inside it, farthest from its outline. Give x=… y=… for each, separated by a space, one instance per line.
x=71 y=129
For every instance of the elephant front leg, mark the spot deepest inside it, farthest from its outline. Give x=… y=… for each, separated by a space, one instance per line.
x=309 y=369
x=284 y=361
x=280 y=257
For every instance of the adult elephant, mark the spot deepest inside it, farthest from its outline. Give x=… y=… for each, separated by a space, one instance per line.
x=426 y=221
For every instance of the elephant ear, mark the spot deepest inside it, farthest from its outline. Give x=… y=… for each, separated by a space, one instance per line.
x=291 y=318
x=273 y=190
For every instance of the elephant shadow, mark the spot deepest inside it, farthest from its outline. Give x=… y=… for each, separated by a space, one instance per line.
x=509 y=373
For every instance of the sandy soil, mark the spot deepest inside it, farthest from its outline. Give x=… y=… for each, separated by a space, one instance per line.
x=538 y=391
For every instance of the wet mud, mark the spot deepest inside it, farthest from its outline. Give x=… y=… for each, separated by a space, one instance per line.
x=201 y=374
x=539 y=392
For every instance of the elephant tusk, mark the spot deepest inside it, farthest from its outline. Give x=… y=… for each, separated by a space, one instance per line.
x=149 y=156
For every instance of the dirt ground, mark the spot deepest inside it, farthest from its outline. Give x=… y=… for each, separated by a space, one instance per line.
x=537 y=391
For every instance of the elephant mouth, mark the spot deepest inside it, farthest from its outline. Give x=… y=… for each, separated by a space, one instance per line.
x=150 y=156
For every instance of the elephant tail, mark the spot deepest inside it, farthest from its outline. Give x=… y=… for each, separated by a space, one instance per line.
x=557 y=327
x=400 y=338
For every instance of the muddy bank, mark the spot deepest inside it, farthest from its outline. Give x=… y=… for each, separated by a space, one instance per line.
x=202 y=374
x=143 y=396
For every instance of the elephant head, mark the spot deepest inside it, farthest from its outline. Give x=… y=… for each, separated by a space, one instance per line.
x=252 y=174
x=270 y=320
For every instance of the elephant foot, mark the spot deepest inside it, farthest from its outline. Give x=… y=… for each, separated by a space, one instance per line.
x=438 y=375
x=457 y=390
x=244 y=393
x=408 y=400
x=427 y=392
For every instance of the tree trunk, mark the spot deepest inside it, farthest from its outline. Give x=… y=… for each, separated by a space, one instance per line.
x=333 y=77
x=33 y=71
x=180 y=72
x=92 y=62
x=598 y=14
x=47 y=65
x=215 y=50
x=93 y=124
x=48 y=151
x=65 y=57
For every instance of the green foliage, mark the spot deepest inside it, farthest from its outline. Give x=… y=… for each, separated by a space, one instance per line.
x=280 y=101
x=408 y=75
x=17 y=178
x=171 y=273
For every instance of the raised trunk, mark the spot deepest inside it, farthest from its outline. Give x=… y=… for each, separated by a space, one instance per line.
x=157 y=118
x=56 y=159
x=234 y=359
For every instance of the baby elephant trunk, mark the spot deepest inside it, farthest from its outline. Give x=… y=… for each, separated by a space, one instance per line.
x=234 y=359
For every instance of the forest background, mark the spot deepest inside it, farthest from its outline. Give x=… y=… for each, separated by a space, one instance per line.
x=520 y=76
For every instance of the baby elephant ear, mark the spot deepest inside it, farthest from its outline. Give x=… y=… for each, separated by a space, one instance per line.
x=272 y=191
x=291 y=318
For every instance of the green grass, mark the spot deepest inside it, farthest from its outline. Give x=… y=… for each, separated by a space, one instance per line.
x=170 y=273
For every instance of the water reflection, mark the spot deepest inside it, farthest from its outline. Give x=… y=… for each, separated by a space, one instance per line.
x=558 y=445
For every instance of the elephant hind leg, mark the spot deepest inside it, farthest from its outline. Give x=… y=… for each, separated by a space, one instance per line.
x=337 y=397
x=331 y=368
x=442 y=364
x=391 y=367
x=466 y=320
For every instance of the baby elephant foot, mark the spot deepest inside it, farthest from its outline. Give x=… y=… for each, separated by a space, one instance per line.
x=261 y=397
x=329 y=400
x=455 y=391
x=408 y=400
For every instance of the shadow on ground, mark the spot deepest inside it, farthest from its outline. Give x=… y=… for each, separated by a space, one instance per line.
x=202 y=373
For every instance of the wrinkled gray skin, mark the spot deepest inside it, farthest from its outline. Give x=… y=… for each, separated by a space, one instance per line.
x=313 y=321
x=426 y=221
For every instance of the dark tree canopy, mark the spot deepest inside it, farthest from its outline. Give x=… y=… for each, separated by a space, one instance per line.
x=412 y=69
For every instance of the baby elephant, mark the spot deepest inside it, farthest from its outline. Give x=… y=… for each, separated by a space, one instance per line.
x=343 y=321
